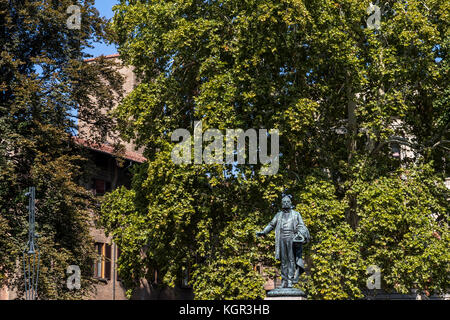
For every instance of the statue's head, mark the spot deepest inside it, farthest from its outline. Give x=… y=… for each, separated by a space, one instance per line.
x=286 y=203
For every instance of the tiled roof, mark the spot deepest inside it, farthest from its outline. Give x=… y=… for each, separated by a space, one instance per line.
x=109 y=149
x=106 y=57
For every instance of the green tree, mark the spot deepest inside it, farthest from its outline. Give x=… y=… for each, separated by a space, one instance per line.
x=45 y=86
x=342 y=95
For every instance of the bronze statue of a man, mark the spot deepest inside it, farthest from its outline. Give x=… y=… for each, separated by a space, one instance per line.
x=290 y=234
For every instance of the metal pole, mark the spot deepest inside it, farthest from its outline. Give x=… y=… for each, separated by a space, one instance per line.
x=31 y=254
x=114 y=270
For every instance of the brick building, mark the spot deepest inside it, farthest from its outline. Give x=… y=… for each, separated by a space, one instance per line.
x=111 y=171
x=107 y=174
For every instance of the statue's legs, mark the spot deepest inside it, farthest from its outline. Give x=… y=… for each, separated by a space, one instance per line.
x=287 y=261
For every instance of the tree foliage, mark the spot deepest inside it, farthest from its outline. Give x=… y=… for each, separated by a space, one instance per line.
x=342 y=96
x=45 y=86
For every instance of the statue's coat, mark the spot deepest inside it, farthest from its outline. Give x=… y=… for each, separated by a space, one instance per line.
x=301 y=231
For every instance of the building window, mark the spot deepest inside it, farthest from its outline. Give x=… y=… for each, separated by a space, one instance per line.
x=101 y=161
x=102 y=265
x=98 y=265
x=101 y=187
x=395 y=150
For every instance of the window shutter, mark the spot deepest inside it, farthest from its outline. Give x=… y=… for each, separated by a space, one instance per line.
x=108 y=261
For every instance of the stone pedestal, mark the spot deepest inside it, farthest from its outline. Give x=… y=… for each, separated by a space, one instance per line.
x=285 y=294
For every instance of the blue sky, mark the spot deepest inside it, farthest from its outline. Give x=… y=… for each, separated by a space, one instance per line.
x=105 y=9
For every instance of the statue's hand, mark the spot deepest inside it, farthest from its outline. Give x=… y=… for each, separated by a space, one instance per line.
x=260 y=234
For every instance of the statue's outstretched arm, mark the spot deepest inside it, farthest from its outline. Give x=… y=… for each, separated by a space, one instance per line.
x=269 y=227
